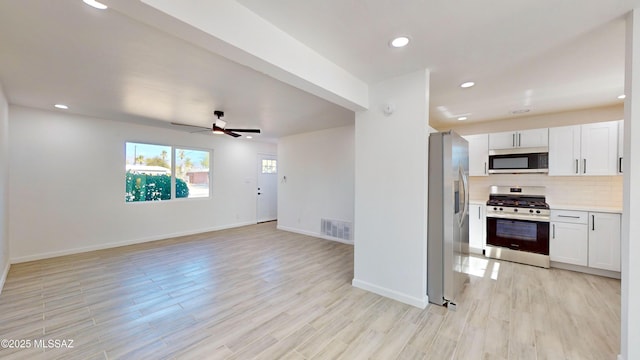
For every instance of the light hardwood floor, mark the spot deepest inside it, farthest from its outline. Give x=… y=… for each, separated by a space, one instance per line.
x=256 y=292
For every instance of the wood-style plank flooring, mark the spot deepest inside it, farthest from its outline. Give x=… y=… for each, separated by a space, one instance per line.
x=257 y=292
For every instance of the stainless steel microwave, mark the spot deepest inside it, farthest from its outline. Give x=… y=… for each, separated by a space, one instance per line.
x=508 y=162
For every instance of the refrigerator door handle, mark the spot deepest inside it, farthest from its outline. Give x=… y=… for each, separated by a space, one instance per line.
x=465 y=188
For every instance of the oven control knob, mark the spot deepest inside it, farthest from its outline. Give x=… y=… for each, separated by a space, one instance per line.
x=495 y=209
x=531 y=211
x=538 y=211
x=515 y=210
x=500 y=209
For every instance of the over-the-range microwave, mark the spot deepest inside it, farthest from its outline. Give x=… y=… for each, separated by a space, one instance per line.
x=513 y=161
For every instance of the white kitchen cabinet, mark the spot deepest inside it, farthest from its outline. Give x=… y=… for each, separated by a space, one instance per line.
x=583 y=238
x=568 y=241
x=533 y=138
x=478 y=154
x=599 y=148
x=620 y=146
x=564 y=150
x=589 y=149
x=502 y=140
x=477 y=233
x=519 y=139
x=604 y=241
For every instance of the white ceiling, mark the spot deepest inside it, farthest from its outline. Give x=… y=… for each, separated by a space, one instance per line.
x=546 y=56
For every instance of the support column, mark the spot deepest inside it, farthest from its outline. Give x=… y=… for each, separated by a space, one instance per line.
x=630 y=247
x=391 y=190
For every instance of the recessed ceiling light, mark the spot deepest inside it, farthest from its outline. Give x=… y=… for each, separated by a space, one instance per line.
x=467 y=84
x=520 y=111
x=622 y=96
x=400 y=41
x=61 y=106
x=95 y=4
x=249 y=137
x=462 y=118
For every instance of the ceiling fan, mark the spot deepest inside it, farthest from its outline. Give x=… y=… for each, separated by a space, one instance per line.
x=219 y=127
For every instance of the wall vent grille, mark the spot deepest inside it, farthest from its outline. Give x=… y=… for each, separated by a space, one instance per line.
x=337 y=229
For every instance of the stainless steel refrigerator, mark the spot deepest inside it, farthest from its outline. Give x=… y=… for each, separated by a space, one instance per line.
x=448 y=217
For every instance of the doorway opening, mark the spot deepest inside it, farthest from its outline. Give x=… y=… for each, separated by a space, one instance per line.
x=267 y=189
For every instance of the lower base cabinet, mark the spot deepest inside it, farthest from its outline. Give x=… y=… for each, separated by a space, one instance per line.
x=477 y=231
x=604 y=241
x=585 y=238
x=568 y=243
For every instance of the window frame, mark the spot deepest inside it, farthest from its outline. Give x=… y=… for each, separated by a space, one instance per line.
x=274 y=166
x=173 y=154
x=173 y=173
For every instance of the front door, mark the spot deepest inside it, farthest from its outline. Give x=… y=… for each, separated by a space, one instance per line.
x=267 y=206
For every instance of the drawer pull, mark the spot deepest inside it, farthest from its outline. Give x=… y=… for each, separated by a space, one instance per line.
x=569 y=216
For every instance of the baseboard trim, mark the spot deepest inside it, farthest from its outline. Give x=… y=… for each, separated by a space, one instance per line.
x=314 y=234
x=52 y=254
x=5 y=272
x=392 y=294
x=585 y=269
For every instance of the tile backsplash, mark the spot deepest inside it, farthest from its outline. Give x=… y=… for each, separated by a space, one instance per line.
x=603 y=191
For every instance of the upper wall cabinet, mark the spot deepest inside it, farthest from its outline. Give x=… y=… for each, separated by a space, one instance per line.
x=478 y=154
x=564 y=150
x=589 y=149
x=519 y=139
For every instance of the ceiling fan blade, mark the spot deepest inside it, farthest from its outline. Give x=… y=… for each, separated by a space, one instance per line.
x=202 y=128
x=189 y=125
x=214 y=128
x=228 y=132
x=217 y=130
x=255 y=131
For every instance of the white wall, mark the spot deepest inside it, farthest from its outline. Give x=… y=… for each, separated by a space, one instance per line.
x=4 y=188
x=630 y=247
x=319 y=170
x=67 y=185
x=391 y=191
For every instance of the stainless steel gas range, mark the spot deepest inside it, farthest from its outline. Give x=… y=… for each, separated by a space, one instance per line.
x=518 y=225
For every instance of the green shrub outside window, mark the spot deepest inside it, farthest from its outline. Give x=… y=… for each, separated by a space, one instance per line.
x=144 y=187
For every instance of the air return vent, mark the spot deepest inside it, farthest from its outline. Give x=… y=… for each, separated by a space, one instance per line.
x=337 y=229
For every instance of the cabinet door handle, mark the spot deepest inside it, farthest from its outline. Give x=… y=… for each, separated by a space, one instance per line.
x=584 y=166
x=519 y=139
x=593 y=222
x=485 y=168
x=479 y=217
x=620 y=164
x=513 y=140
x=554 y=231
x=577 y=166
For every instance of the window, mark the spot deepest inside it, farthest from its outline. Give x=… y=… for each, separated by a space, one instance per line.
x=157 y=172
x=192 y=167
x=269 y=166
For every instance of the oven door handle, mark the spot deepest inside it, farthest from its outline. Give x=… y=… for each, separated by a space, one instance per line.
x=544 y=219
